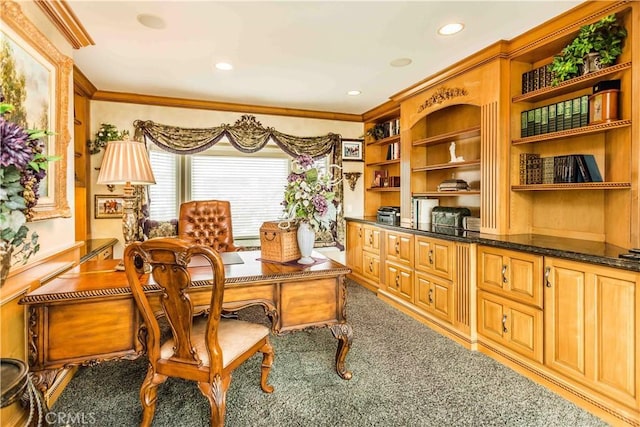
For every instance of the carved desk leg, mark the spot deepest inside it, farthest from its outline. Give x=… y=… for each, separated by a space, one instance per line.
x=344 y=335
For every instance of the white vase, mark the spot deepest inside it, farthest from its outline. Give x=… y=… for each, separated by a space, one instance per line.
x=306 y=238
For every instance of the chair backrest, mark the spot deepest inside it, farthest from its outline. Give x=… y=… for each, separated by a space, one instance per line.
x=168 y=258
x=207 y=222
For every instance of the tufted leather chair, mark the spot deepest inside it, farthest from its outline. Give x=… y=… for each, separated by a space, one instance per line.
x=207 y=222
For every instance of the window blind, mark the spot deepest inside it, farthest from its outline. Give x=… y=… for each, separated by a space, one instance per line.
x=164 y=194
x=253 y=185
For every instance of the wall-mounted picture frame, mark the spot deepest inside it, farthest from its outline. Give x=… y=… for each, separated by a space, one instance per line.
x=352 y=150
x=47 y=73
x=108 y=206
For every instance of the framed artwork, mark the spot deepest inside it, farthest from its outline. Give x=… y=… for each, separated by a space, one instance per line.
x=351 y=149
x=108 y=206
x=36 y=80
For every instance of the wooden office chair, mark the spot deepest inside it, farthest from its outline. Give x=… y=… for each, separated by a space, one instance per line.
x=205 y=349
x=207 y=222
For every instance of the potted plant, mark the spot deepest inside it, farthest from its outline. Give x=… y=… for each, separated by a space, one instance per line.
x=596 y=46
x=376 y=132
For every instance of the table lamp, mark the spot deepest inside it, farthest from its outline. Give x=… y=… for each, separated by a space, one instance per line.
x=126 y=162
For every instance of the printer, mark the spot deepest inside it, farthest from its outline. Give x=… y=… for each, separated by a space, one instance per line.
x=389 y=215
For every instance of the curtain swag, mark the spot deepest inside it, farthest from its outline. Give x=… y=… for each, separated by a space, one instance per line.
x=249 y=136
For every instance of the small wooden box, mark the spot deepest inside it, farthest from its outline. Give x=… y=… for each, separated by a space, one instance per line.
x=277 y=243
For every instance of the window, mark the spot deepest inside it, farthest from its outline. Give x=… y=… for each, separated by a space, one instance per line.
x=253 y=183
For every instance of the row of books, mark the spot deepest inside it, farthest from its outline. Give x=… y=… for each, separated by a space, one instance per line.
x=538 y=78
x=563 y=115
x=571 y=168
x=391 y=128
x=393 y=151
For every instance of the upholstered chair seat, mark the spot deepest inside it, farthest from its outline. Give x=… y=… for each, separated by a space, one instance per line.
x=207 y=222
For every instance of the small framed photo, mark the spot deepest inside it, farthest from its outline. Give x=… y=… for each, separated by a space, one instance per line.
x=108 y=206
x=352 y=149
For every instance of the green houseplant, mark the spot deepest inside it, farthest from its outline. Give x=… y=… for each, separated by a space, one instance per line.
x=604 y=38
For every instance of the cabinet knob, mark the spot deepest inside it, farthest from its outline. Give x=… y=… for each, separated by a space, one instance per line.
x=504 y=274
x=431 y=256
x=504 y=323
x=547 y=273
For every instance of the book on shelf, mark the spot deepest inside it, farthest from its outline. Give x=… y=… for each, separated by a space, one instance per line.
x=552 y=118
x=453 y=185
x=572 y=168
x=530 y=122
x=393 y=151
x=523 y=124
x=575 y=113
x=544 y=121
x=568 y=113
x=560 y=116
x=584 y=110
x=537 y=121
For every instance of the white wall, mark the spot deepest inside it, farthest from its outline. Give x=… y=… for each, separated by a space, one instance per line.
x=122 y=115
x=58 y=233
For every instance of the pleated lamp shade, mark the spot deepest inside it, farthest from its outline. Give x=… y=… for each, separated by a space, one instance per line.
x=126 y=162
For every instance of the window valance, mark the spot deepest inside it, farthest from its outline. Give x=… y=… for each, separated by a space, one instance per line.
x=249 y=136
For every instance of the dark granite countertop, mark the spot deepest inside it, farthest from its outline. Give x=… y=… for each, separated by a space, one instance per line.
x=572 y=249
x=94 y=246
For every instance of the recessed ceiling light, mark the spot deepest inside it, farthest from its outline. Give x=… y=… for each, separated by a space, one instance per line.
x=225 y=66
x=400 y=62
x=151 y=21
x=450 y=29
x=354 y=92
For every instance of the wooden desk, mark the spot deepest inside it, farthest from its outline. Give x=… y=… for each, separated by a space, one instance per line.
x=88 y=315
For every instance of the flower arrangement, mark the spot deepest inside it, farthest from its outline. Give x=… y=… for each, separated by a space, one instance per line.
x=106 y=133
x=22 y=166
x=308 y=195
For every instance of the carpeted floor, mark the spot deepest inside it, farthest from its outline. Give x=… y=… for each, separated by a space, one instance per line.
x=404 y=374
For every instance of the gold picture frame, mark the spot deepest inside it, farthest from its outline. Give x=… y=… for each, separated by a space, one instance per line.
x=54 y=69
x=108 y=206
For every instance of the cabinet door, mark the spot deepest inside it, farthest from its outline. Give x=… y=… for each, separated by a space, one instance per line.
x=517 y=326
x=435 y=256
x=371 y=239
x=591 y=326
x=371 y=267
x=434 y=295
x=354 y=246
x=399 y=281
x=512 y=274
x=400 y=247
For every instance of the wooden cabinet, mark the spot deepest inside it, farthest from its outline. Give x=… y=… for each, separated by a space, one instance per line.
x=399 y=247
x=600 y=211
x=434 y=287
x=510 y=300
x=399 y=280
x=354 y=247
x=382 y=160
x=591 y=327
x=512 y=274
x=511 y=324
x=435 y=256
x=434 y=295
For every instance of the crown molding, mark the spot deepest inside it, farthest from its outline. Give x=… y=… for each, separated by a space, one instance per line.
x=60 y=14
x=163 y=101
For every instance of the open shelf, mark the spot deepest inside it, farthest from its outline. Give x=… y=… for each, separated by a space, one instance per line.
x=384 y=162
x=449 y=137
x=446 y=193
x=450 y=165
x=385 y=141
x=571 y=85
x=585 y=130
x=574 y=186
x=383 y=189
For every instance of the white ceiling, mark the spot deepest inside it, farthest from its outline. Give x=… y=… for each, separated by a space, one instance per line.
x=293 y=54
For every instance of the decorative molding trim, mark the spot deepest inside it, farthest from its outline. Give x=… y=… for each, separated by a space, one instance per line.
x=441 y=95
x=81 y=84
x=61 y=15
x=163 y=101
